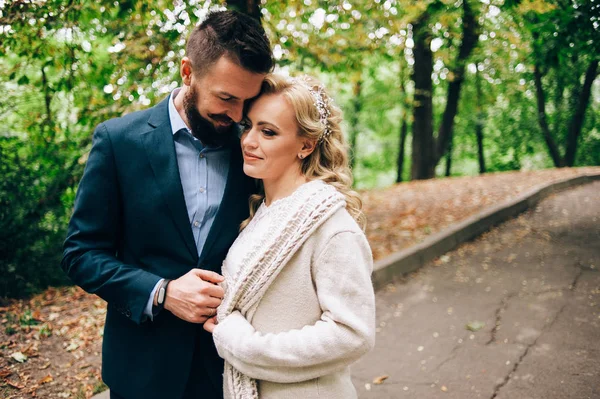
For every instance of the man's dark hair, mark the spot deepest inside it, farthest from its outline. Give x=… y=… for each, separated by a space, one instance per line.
x=233 y=34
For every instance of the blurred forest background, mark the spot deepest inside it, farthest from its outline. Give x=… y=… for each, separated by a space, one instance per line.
x=429 y=89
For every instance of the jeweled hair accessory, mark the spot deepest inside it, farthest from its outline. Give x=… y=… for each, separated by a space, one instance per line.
x=320 y=101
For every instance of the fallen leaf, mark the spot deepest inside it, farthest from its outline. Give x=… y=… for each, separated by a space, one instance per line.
x=15 y=384
x=37 y=315
x=5 y=373
x=46 y=379
x=475 y=325
x=72 y=347
x=44 y=366
x=380 y=379
x=444 y=389
x=19 y=357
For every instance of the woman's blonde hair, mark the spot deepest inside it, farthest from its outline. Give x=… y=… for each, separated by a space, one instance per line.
x=329 y=160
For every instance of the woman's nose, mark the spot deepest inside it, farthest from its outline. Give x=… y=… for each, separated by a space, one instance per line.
x=249 y=138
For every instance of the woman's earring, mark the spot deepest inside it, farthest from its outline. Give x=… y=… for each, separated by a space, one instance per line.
x=300 y=156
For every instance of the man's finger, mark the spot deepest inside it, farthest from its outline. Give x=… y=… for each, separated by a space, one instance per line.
x=212 y=312
x=208 y=275
x=211 y=302
x=213 y=290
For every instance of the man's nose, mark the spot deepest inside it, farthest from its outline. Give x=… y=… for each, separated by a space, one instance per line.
x=235 y=112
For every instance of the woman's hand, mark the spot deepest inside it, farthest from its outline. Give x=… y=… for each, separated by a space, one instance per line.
x=210 y=324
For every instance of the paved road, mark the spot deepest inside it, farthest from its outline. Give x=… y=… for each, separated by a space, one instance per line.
x=531 y=286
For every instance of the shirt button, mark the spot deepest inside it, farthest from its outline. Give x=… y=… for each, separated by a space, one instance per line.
x=201 y=156
x=196 y=223
x=202 y=189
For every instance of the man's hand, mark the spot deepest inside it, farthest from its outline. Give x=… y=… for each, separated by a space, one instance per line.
x=210 y=324
x=195 y=296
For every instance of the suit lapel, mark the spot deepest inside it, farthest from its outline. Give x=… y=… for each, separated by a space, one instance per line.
x=160 y=148
x=234 y=188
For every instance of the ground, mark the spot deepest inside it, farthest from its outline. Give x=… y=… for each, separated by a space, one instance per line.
x=513 y=314
x=50 y=344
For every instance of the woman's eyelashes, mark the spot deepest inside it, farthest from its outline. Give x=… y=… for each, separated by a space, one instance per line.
x=269 y=132
x=247 y=125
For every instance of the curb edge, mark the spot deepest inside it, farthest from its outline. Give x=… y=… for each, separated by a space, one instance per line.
x=398 y=264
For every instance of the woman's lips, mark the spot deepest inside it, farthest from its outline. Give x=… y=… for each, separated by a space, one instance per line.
x=251 y=157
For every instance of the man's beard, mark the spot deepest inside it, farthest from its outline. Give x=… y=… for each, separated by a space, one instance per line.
x=203 y=129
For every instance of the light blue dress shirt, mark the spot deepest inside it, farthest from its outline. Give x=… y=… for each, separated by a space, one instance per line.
x=203 y=172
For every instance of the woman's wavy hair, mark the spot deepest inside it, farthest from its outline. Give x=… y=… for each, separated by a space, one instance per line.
x=329 y=160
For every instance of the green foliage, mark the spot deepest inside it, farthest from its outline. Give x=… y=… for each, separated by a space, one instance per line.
x=26 y=319
x=68 y=65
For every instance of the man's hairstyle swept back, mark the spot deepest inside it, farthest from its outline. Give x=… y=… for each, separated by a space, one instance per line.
x=233 y=34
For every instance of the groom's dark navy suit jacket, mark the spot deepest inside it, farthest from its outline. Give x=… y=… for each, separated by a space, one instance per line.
x=130 y=228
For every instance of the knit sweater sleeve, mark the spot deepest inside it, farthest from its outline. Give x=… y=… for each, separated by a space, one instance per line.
x=345 y=331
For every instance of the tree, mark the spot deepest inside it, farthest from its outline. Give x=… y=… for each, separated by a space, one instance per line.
x=565 y=55
x=404 y=100
x=427 y=149
x=68 y=67
x=479 y=124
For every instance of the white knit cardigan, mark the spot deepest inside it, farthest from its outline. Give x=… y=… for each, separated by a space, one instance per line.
x=300 y=307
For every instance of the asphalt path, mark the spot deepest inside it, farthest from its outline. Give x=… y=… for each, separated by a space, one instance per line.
x=513 y=314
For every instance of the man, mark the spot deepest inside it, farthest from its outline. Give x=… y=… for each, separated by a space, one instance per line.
x=159 y=205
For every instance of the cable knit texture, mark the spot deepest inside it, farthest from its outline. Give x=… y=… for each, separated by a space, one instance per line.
x=299 y=304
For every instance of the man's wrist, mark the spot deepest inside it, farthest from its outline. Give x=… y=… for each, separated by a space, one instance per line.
x=148 y=310
x=160 y=298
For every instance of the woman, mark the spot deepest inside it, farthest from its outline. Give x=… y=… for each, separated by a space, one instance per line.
x=299 y=304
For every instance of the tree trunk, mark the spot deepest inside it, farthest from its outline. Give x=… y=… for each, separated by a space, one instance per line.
x=479 y=121
x=249 y=7
x=403 y=124
x=469 y=40
x=578 y=117
x=403 y=134
x=480 y=155
x=356 y=107
x=422 y=166
x=542 y=119
x=426 y=150
x=449 y=158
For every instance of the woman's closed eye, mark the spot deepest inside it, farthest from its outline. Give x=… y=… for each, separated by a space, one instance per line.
x=269 y=132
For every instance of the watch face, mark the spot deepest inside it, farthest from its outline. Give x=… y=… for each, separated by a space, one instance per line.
x=161 y=296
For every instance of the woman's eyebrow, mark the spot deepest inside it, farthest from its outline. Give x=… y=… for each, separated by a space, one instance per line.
x=262 y=123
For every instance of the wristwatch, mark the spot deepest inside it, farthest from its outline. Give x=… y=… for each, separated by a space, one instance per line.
x=161 y=297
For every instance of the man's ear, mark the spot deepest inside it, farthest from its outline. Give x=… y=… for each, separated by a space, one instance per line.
x=186 y=71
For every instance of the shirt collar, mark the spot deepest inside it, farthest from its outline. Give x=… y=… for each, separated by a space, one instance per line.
x=177 y=122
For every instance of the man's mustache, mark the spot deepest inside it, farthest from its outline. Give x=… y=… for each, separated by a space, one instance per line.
x=221 y=118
